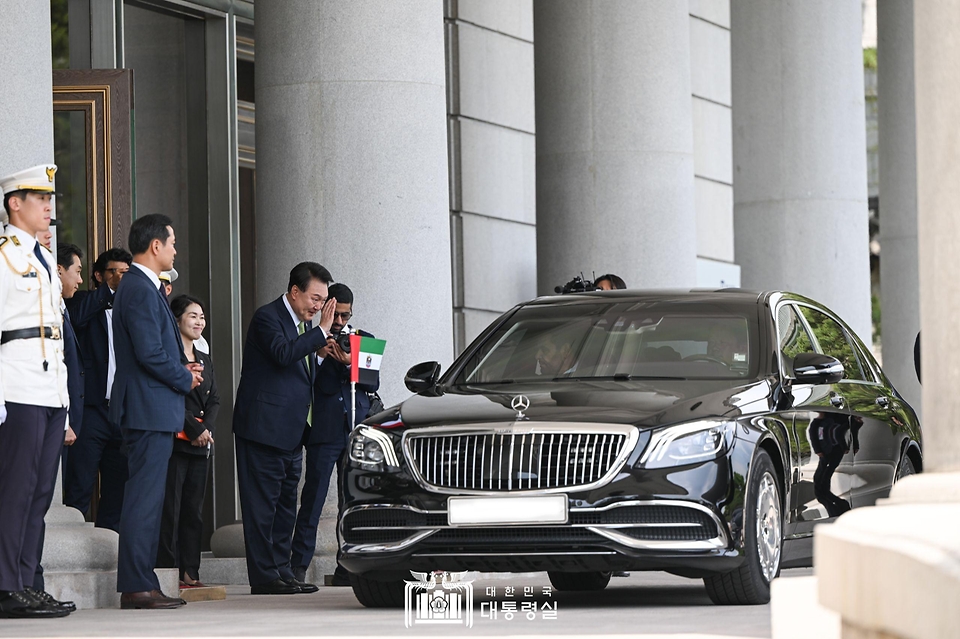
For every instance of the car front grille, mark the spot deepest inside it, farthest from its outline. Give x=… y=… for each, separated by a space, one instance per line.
x=516 y=461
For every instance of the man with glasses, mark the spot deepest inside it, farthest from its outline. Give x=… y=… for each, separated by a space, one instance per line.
x=97 y=449
x=327 y=440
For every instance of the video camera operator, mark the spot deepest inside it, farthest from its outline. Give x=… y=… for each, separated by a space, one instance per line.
x=327 y=439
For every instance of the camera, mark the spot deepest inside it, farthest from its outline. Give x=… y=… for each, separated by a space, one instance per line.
x=343 y=338
x=576 y=285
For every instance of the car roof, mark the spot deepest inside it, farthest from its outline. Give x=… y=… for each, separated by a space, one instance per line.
x=724 y=295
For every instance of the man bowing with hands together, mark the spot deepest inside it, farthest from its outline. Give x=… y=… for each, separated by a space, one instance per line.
x=274 y=409
x=152 y=379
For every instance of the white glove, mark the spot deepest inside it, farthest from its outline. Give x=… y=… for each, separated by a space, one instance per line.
x=3 y=413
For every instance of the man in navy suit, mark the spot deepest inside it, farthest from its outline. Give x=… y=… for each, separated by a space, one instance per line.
x=98 y=441
x=274 y=409
x=147 y=402
x=327 y=440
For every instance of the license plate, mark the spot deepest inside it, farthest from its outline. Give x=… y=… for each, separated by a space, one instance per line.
x=484 y=511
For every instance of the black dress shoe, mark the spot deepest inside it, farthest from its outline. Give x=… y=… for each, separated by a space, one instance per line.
x=20 y=605
x=149 y=600
x=276 y=587
x=46 y=598
x=302 y=585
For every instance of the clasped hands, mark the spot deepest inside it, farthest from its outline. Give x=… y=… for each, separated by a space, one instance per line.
x=195 y=368
x=204 y=439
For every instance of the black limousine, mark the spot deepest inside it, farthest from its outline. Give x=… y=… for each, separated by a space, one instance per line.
x=700 y=433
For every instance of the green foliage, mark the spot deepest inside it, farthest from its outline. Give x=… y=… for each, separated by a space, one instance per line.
x=833 y=341
x=870 y=58
x=59 y=39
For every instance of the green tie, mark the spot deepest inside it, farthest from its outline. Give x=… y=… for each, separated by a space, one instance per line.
x=302 y=328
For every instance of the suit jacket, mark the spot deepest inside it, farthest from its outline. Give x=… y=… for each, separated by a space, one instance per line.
x=332 y=401
x=151 y=380
x=202 y=403
x=88 y=314
x=276 y=383
x=74 y=360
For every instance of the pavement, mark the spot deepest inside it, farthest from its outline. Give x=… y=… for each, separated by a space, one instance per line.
x=643 y=604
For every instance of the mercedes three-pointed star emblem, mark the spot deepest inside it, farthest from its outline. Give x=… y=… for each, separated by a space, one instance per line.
x=520 y=403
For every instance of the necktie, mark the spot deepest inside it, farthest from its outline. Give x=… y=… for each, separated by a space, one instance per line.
x=302 y=328
x=39 y=254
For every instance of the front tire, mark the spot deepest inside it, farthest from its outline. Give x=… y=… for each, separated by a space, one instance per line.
x=582 y=581
x=763 y=542
x=377 y=594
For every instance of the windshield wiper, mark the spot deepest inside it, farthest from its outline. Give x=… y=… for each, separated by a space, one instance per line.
x=619 y=377
x=499 y=381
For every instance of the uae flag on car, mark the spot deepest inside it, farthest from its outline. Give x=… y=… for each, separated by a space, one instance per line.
x=365 y=356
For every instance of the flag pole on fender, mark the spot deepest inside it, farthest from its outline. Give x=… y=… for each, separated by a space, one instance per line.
x=365 y=356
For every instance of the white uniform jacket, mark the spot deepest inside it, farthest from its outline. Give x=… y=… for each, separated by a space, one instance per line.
x=30 y=298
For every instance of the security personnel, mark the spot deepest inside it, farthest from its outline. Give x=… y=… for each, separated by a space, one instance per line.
x=33 y=389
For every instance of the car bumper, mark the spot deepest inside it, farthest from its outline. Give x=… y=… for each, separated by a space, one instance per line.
x=680 y=520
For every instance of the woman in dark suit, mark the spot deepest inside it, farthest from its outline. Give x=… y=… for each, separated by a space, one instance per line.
x=182 y=522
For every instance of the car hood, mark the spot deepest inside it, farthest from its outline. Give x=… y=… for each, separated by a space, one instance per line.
x=638 y=403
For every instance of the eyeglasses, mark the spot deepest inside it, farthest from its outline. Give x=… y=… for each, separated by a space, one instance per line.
x=344 y=316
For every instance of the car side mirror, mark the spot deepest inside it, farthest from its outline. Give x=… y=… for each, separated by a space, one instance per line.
x=815 y=368
x=423 y=377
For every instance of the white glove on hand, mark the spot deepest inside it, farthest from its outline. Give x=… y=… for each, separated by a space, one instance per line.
x=3 y=413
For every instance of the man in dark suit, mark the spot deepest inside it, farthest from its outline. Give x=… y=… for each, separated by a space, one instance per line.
x=147 y=402
x=327 y=440
x=97 y=449
x=274 y=408
x=70 y=271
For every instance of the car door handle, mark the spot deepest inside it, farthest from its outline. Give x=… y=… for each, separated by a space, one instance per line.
x=837 y=400
x=883 y=402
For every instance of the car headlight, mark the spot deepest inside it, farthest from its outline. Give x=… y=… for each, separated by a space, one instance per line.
x=686 y=443
x=371 y=447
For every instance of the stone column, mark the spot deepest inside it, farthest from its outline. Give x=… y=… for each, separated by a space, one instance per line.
x=27 y=115
x=936 y=24
x=910 y=540
x=352 y=169
x=352 y=165
x=615 y=190
x=899 y=259
x=799 y=152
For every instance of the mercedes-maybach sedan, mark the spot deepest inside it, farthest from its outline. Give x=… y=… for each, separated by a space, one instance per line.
x=700 y=433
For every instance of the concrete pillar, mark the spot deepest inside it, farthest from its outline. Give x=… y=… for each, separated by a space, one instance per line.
x=936 y=23
x=352 y=165
x=615 y=189
x=352 y=170
x=910 y=539
x=899 y=260
x=800 y=176
x=27 y=115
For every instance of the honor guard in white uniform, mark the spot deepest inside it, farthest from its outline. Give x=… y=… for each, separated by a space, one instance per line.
x=33 y=389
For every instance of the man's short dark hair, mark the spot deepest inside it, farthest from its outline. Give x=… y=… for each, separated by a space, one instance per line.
x=342 y=293
x=302 y=273
x=180 y=303
x=110 y=255
x=616 y=282
x=65 y=253
x=146 y=229
x=22 y=194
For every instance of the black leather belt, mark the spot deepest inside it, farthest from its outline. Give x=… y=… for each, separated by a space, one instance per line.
x=50 y=332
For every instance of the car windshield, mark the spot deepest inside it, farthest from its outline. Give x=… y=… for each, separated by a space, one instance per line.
x=619 y=341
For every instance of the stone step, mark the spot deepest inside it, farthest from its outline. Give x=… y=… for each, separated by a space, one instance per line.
x=796 y=612
x=233 y=570
x=98 y=588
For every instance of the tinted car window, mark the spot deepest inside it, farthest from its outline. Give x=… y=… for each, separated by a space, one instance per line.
x=833 y=341
x=616 y=340
x=793 y=338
